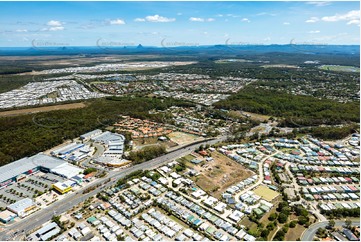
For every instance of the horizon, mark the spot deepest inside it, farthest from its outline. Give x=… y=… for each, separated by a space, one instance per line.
x=177 y=24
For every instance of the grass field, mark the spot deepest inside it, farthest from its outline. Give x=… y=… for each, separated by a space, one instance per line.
x=41 y=109
x=339 y=68
x=266 y=193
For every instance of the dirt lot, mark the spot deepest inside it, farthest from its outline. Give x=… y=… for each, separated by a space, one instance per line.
x=183 y=138
x=294 y=233
x=140 y=143
x=219 y=174
x=41 y=109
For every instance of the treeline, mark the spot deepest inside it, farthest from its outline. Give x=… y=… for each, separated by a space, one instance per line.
x=342 y=212
x=27 y=135
x=297 y=110
x=331 y=133
x=147 y=153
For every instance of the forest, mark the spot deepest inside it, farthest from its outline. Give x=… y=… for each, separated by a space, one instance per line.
x=27 y=135
x=297 y=110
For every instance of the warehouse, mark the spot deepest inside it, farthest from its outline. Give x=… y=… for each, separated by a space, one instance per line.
x=18 y=169
x=67 y=149
x=90 y=134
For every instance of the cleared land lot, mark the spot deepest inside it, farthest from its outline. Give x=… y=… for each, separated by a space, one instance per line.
x=266 y=193
x=41 y=109
x=183 y=138
x=339 y=68
x=217 y=175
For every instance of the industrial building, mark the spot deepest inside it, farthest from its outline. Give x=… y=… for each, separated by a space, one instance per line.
x=19 y=169
x=114 y=143
x=90 y=134
x=46 y=232
x=21 y=207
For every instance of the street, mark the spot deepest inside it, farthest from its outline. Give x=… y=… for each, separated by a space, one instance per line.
x=311 y=231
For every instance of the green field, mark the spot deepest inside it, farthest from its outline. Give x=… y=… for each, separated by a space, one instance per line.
x=340 y=68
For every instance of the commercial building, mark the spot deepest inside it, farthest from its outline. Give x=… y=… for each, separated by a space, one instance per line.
x=64 y=187
x=22 y=207
x=19 y=169
x=7 y=216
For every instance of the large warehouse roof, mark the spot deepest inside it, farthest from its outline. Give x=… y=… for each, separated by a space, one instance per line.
x=108 y=137
x=25 y=164
x=67 y=170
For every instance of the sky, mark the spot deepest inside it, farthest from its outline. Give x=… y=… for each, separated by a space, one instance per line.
x=169 y=24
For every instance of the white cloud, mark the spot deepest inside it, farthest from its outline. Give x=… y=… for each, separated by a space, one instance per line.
x=246 y=20
x=139 y=20
x=21 y=30
x=54 y=23
x=117 y=21
x=195 y=19
x=355 y=21
x=56 y=28
x=319 y=4
x=286 y=23
x=219 y=15
x=351 y=15
x=314 y=32
x=312 y=20
x=159 y=19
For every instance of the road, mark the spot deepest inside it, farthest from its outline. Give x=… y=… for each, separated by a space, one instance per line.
x=37 y=219
x=309 y=233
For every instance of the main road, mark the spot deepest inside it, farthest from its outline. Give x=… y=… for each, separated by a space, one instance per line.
x=24 y=226
x=309 y=233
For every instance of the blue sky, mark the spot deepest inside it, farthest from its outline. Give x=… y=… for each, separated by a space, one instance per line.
x=177 y=23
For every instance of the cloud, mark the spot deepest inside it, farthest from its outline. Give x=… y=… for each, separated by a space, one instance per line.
x=21 y=30
x=195 y=19
x=139 y=20
x=312 y=20
x=266 y=13
x=286 y=23
x=117 y=21
x=246 y=20
x=54 y=23
x=319 y=4
x=159 y=19
x=314 y=32
x=349 y=16
x=355 y=21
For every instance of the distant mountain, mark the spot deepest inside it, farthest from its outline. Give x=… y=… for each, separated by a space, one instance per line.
x=186 y=50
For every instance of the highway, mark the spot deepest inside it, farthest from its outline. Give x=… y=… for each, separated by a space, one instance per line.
x=311 y=231
x=18 y=230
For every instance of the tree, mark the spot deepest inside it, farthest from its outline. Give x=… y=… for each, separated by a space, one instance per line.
x=331 y=223
x=302 y=220
x=348 y=223
x=272 y=217
x=282 y=218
